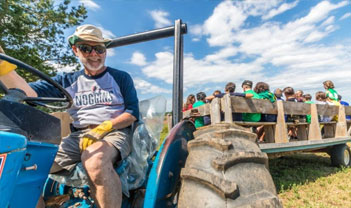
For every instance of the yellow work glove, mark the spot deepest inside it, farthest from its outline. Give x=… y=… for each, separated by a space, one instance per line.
x=95 y=134
x=5 y=67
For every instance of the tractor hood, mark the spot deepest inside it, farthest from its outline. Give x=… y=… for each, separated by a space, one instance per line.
x=30 y=122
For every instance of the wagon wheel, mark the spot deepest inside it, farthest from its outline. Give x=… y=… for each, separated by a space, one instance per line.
x=340 y=155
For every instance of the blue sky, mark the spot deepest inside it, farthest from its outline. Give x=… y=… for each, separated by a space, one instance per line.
x=297 y=43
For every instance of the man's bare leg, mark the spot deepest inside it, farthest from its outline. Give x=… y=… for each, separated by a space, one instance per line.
x=105 y=184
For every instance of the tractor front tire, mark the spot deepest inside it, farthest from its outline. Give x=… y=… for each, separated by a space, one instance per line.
x=340 y=155
x=226 y=168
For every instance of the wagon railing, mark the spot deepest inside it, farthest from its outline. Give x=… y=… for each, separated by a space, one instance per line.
x=221 y=110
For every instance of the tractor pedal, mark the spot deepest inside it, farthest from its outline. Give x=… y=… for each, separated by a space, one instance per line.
x=56 y=201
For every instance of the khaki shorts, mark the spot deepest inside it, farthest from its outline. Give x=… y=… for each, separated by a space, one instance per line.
x=69 y=154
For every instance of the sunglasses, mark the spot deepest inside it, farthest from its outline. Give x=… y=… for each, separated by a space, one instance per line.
x=88 y=48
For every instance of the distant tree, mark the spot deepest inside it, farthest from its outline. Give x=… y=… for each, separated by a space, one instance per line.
x=33 y=32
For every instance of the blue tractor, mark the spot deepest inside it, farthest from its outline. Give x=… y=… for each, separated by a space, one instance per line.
x=216 y=166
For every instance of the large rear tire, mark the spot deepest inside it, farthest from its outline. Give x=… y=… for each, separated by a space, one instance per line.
x=226 y=168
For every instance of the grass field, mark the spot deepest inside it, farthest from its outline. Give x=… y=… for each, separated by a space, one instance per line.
x=308 y=180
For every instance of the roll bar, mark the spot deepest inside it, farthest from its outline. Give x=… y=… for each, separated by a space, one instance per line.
x=177 y=31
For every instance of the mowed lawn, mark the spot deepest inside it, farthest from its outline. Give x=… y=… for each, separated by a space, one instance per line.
x=308 y=180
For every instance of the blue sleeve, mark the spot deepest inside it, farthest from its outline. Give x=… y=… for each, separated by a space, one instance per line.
x=238 y=94
x=220 y=95
x=125 y=82
x=231 y=94
x=45 y=89
x=129 y=94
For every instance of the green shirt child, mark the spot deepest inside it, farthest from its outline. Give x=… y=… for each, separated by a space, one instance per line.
x=332 y=94
x=308 y=117
x=267 y=95
x=199 y=122
x=253 y=117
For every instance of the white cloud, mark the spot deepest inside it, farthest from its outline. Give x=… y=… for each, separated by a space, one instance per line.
x=90 y=4
x=320 y=11
x=110 y=52
x=107 y=33
x=292 y=49
x=60 y=68
x=347 y=15
x=256 y=8
x=146 y=87
x=138 y=59
x=222 y=54
x=196 y=39
x=196 y=31
x=161 y=68
x=330 y=28
x=198 y=72
x=160 y=18
x=329 y=21
x=226 y=19
x=315 y=36
x=274 y=12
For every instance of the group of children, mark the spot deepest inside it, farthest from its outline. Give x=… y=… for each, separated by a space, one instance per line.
x=261 y=91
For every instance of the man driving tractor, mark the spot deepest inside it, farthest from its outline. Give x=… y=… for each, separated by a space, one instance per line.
x=105 y=104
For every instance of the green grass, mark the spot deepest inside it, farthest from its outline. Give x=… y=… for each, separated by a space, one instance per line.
x=308 y=180
x=163 y=135
x=290 y=171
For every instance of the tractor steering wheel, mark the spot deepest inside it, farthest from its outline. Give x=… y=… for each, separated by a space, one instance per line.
x=41 y=101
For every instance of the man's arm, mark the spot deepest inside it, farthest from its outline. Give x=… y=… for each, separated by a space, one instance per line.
x=210 y=98
x=123 y=120
x=131 y=102
x=249 y=95
x=13 y=80
x=120 y=122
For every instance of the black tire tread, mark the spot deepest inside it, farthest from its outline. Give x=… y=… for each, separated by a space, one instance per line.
x=220 y=145
x=264 y=200
x=225 y=188
x=214 y=175
x=217 y=127
x=226 y=161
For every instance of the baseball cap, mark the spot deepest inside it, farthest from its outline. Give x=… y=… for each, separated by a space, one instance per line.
x=87 y=33
x=247 y=82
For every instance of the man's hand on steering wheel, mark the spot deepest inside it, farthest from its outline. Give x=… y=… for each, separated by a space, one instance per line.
x=8 y=64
